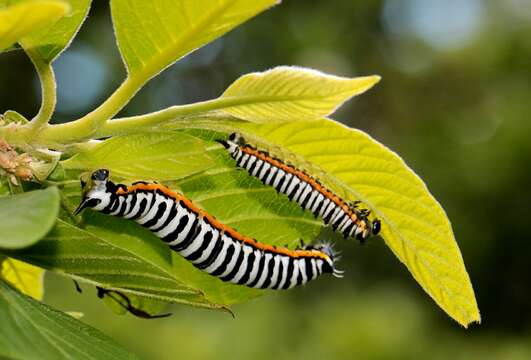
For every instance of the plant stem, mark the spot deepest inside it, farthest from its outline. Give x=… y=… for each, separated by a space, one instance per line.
x=96 y=125
x=125 y=125
x=48 y=92
x=86 y=126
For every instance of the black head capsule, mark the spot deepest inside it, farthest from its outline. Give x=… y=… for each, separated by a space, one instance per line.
x=376 y=226
x=237 y=139
x=100 y=175
x=95 y=189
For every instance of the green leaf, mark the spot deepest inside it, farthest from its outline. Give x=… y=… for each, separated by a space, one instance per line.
x=27 y=278
x=289 y=93
x=153 y=34
x=11 y=116
x=110 y=254
x=24 y=18
x=152 y=155
x=26 y=218
x=414 y=225
x=50 y=41
x=32 y=330
x=254 y=209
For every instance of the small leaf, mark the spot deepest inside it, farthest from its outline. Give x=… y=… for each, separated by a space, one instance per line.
x=24 y=18
x=27 y=278
x=291 y=93
x=11 y=116
x=32 y=330
x=152 y=155
x=153 y=34
x=414 y=225
x=26 y=218
x=50 y=41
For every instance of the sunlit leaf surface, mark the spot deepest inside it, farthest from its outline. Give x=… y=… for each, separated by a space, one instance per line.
x=414 y=225
x=27 y=278
x=291 y=93
x=22 y=19
x=51 y=40
x=151 y=155
x=153 y=34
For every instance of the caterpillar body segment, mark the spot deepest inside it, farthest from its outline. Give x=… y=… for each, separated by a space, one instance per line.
x=203 y=240
x=304 y=189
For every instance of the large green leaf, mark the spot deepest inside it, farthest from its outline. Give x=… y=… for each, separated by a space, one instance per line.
x=153 y=34
x=24 y=18
x=291 y=93
x=50 y=41
x=26 y=218
x=152 y=155
x=414 y=225
x=231 y=195
x=32 y=330
x=112 y=255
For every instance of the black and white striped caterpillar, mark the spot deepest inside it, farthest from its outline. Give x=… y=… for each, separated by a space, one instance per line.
x=303 y=189
x=203 y=240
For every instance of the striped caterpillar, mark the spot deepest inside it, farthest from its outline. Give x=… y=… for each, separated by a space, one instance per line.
x=303 y=189
x=203 y=240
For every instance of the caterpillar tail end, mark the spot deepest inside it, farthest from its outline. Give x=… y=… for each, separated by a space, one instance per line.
x=338 y=273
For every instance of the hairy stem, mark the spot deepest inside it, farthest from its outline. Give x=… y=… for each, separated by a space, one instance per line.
x=125 y=125
x=96 y=124
x=48 y=92
x=85 y=127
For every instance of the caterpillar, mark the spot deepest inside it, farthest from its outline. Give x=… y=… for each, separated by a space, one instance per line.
x=203 y=240
x=302 y=188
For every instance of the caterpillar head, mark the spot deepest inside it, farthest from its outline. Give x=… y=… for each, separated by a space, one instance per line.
x=96 y=190
x=233 y=142
x=375 y=226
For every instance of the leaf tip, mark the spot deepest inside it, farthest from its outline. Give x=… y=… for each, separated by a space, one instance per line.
x=473 y=319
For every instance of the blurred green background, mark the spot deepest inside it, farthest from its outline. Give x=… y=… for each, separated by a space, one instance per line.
x=453 y=103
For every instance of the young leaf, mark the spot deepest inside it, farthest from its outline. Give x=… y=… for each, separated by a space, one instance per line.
x=23 y=18
x=32 y=330
x=414 y=225
x=27 y=278
x=289 y=93
x=151 y=155
x=26 y=218
x=50 y=41
x=153 y=34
